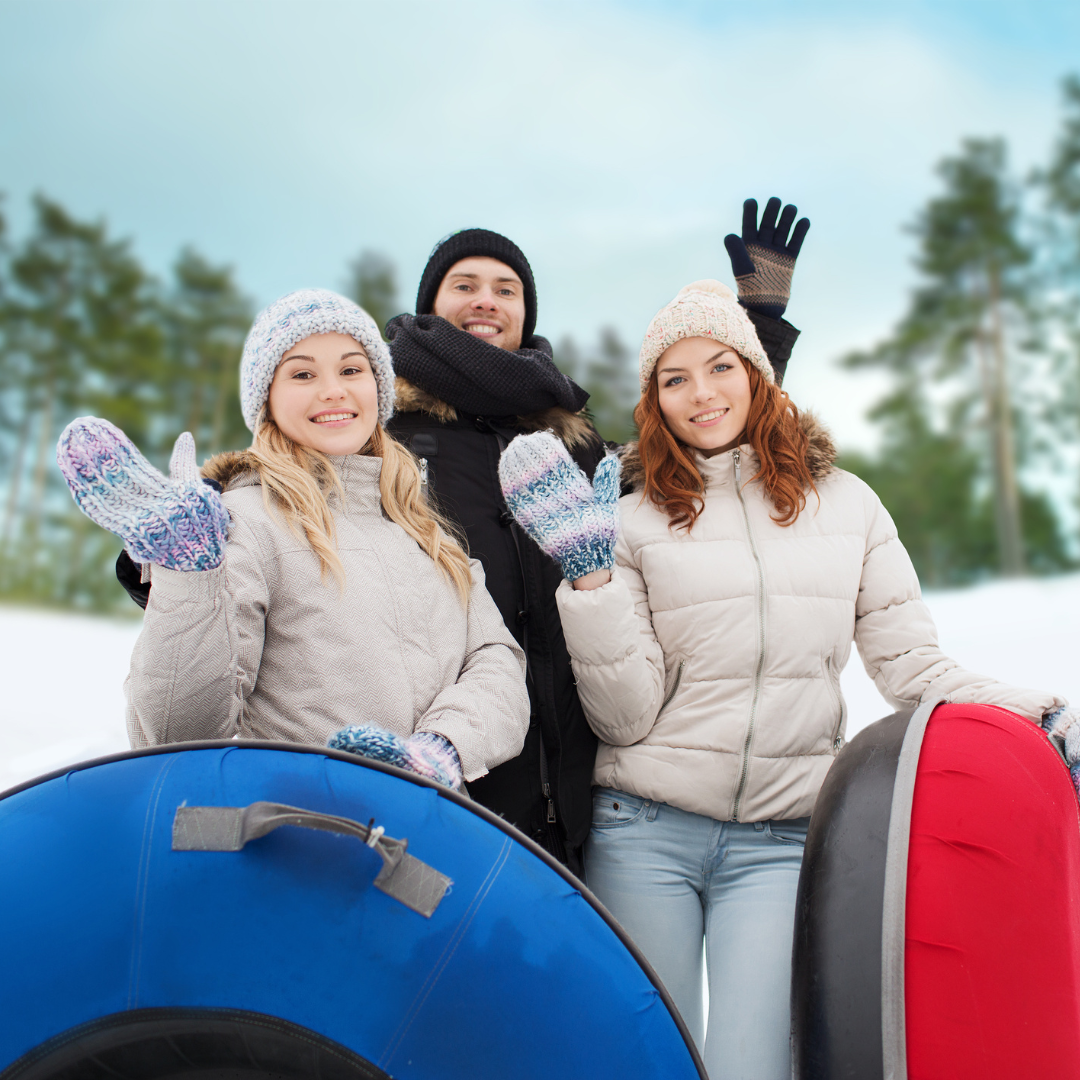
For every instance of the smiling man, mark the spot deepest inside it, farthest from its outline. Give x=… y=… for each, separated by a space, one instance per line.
x=473 y=374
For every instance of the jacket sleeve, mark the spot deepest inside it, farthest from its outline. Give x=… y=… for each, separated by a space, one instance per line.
x=198 y=655
x=130 y=575
x=617 y=661
x=777 y=337
x=485 y=713
x=898 y=642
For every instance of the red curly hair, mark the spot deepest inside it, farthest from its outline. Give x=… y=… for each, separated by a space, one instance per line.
x=673 y=482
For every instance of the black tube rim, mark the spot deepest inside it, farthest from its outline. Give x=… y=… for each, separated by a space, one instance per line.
x=119 y=1030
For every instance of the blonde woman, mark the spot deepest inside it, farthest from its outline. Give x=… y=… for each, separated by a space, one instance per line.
x=317 y=591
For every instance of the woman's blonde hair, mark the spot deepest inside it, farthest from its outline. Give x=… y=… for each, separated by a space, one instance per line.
x=297 y=480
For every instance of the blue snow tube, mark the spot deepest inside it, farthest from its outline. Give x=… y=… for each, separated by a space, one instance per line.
x=247 y=910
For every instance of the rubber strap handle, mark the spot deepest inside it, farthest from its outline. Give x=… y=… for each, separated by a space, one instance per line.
x=228 y=828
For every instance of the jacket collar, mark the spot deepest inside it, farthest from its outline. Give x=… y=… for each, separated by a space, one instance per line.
x=720 y=468
x=359 y=475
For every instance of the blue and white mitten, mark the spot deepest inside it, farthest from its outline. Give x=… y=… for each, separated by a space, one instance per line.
x=177 y=521
x=1063 y=726
x=425 y=753
x=573 y=521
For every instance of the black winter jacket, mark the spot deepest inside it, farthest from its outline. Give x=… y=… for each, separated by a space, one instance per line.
x=546 y=790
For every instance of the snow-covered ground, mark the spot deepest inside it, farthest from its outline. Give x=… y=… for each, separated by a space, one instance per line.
x=62 y=675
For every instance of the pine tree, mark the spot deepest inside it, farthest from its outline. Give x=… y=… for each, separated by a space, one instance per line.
x=81 y=338
x=373 y=285
x=1060 y=186
x=608 y=374
x=968 y=318
x=205 y=319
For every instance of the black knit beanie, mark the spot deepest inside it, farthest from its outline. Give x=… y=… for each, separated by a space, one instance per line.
x=472 y=243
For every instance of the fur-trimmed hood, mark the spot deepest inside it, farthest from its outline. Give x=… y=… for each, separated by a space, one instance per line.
x=227 y=467
x=820 y=454
x=574 y=429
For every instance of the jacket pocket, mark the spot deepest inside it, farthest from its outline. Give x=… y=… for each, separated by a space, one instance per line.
x=832 y=681
x=616 y=809
x=788 y=831
x=673 y=689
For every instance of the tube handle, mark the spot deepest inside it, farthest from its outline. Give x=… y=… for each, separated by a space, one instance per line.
x=228 y=828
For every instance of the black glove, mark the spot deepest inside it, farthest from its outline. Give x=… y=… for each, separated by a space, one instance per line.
x=763 y=259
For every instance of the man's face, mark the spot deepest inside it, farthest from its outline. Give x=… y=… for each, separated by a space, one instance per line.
x=485 y=298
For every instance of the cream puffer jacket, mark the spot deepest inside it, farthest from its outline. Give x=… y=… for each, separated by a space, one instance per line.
x=710 y=665
x=263 y=648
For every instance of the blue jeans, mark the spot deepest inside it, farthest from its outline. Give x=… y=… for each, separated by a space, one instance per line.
x=674 y=879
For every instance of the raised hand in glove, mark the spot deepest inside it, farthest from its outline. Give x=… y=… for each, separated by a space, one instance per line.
x=573 y=521
x=763 y=258
x=177 y=521
x=425 y=753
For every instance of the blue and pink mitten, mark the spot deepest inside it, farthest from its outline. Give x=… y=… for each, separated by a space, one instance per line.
x=573 y=521
x=1063 y=726
x=177 y=521
x=425 y=753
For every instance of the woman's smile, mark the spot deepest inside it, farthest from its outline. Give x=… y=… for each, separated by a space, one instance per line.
x=334 y=419
x=707 y=419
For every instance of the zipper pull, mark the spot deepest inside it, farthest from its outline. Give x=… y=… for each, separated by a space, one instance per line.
x=423 y=471
x=550 y=803
x=736 y=454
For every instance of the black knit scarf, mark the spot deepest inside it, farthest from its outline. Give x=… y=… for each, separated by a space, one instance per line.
x=474 y=376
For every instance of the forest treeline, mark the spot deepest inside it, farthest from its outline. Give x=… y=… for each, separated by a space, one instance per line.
x=983 y=371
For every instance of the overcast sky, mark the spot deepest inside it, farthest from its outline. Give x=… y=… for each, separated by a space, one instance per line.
x=614 y=141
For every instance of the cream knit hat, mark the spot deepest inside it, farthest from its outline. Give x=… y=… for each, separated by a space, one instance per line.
x=703 y=309
x=292 y=318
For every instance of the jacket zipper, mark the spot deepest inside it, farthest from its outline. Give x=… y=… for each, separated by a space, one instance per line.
x=837 y=738
x=736 y=455
x=423 y=472
x=674 y=687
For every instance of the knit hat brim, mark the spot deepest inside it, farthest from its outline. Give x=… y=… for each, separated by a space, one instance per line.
x=278 y=327
x=706 y=309
x=477 y=243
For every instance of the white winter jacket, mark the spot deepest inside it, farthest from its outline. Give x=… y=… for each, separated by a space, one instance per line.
x=710 y=665
x=263 y=648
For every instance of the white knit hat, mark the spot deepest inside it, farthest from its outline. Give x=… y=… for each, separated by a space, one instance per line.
x=280 y=326
x=703 y=309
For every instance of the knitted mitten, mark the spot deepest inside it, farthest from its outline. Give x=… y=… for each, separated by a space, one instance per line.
x=763 y=259
x=425 y=753
x=179 y=523
x=1063 y=726
x=573 y=521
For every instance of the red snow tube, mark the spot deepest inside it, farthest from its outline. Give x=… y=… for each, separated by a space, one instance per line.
x=992 y=957
x=938 y=923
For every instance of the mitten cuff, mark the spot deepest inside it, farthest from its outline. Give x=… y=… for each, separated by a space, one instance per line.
x=588 y=557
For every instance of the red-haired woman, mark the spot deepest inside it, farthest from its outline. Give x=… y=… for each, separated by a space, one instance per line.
x=708 y=660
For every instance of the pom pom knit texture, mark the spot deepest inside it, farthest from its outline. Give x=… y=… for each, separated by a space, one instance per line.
x=301 y=314
x=426 y=753
x=703 y=309
x=179 y=523
x=573 y=521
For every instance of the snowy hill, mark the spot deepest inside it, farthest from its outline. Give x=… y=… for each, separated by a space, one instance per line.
x=62 y=675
